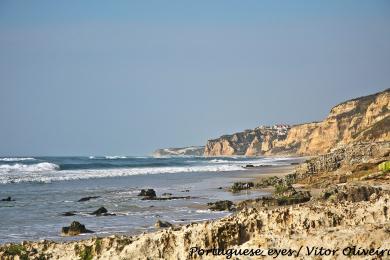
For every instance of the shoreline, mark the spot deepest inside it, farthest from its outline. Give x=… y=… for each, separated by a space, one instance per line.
x=346 y=212
x=229 y=178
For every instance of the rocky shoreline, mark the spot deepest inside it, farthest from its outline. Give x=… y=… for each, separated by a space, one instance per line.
x=345 y=212
x=332 y=206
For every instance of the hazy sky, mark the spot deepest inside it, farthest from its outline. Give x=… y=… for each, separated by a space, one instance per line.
x=126 y=77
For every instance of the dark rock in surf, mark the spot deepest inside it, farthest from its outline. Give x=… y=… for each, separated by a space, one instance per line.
x=8 y=199
x=148 y=193
x=88 y=198
x=69 y=213
x=162 y=224
x=102 y=211
x=74 y=229
x=167 y=198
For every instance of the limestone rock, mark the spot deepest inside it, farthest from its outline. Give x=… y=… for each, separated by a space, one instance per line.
x=353 y=193
x=365 y=119
x=221 y=205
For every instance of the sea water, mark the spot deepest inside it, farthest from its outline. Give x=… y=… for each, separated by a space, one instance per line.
x=45 y=187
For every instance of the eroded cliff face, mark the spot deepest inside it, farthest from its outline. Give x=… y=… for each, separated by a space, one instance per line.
x=250 y=142
x=364 y=119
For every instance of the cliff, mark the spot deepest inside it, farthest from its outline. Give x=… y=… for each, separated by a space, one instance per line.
x=358 y=120
x=250 y=142
x=187 y=151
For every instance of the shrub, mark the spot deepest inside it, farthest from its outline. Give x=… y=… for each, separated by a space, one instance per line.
x=17 y=250
x=384 y=167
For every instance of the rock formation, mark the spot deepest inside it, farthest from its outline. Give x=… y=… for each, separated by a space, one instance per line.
x=250 y=142
x=357 y=120
x=335 y=225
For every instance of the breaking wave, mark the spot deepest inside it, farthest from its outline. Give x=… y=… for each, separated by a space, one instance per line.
x=16 y=159
x=38 y=167
x=115 y=157
x=43 y=172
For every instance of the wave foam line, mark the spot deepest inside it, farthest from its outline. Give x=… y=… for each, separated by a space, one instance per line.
x=38 y=167
x=50 y=176
x=16 y=159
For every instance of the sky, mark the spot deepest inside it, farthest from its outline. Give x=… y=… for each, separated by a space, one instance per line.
x=128 y=77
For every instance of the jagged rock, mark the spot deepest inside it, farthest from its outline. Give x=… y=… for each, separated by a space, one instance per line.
x=148 y=193
x=88 y=198
x=284 y=191
x=166 y=194
x=221 y=205
x=356 y=157
x=75 y=229
x=162 y=224
x=343 y=179
x=319 y=223
x=297 y=198
x=238 y=186
x=353 y=193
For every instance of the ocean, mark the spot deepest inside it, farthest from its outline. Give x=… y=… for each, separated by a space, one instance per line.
x=42 y=188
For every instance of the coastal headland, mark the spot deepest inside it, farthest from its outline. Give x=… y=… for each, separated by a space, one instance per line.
x=333 y=205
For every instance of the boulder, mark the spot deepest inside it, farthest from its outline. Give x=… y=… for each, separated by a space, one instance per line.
x=162 y=224
x=147 y=193
x=166 y=194
x=75 y=229
x=221 y=205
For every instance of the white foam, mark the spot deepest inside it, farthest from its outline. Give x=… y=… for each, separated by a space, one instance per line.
x=220 y=161
x=15 y=174
x=115 y=157
x=255 y=161
x=16 y=159
x=38 y=167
